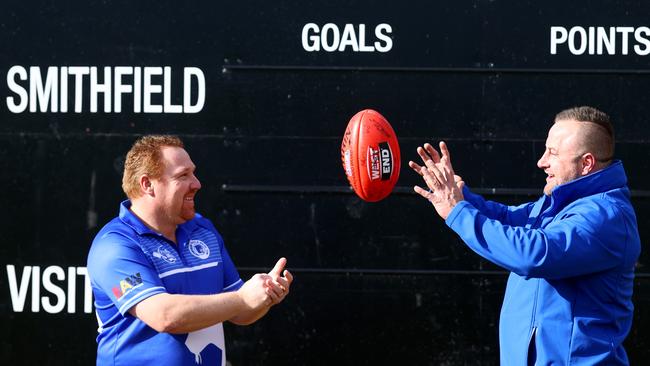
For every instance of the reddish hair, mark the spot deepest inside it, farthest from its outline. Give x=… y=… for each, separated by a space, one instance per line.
x=145 y=158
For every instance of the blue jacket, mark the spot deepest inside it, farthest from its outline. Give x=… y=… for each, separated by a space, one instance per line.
x=571 y=256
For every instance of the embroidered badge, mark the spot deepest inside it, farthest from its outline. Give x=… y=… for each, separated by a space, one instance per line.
x=199 y=249
x=164 y=254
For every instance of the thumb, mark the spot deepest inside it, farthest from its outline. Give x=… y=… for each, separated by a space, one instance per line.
x=460 y=184
x=279 y=266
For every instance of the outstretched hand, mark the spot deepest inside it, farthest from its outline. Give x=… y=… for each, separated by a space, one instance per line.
x=445 y=187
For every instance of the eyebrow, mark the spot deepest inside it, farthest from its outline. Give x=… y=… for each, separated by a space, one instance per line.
x=184 y=170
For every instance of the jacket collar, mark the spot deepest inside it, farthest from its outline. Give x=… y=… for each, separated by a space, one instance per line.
x=604 y=180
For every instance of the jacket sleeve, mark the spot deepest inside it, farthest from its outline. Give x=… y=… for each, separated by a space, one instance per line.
x=583 y=241
x=511 y=215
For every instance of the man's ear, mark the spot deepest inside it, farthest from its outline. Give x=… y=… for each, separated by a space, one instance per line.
x=146 y=186
x=588 y=163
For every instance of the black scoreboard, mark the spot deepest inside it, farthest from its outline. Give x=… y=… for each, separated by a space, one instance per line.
x=261 y=93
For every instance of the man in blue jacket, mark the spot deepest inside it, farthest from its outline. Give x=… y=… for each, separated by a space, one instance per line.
x=571 y=253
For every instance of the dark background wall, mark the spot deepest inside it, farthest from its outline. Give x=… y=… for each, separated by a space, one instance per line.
x=375 y=283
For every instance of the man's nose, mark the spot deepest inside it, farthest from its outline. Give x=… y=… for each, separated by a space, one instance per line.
x=196 y=184
x=542 y=162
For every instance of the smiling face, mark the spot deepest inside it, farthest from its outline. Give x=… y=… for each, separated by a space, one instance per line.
x=562 y=160
x=177 y=186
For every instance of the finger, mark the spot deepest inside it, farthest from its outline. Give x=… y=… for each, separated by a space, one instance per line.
x=283 y=283
x=274 y=287
x=415 y=167
x=423 y=154
x=432 y=152
x=422 y=192
x=279 y=266
x=446 y=171
x=427 y=159
x=429 y=155
x=460 y=184
x=430 y=178
x=275 y=298
x=446 y=156
x=288 y=276
x=439 y=176
x=445 y=151
x=457 y=178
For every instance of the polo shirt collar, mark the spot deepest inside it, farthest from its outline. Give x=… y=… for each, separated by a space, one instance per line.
x=130 y=219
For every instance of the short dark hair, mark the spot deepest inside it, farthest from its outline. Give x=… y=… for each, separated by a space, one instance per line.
x=602 y=143
x=588 y=114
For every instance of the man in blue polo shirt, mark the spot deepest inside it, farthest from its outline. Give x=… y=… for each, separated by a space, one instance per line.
x=161 y=276
x=571 y=253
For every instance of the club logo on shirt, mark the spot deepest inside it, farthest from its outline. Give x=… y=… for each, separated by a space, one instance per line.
x=199 y=249
x=164 y=254
x=127 y=284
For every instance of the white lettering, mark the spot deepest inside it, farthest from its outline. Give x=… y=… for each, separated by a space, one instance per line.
x=331 y=38
x=572 y=40
x=167 y=95
x=137 y=90
x=382 y=33
x=119 y=87
x=18 y=295
x=362 y=40
x=349 y=38
x=40 y=94
x=625 y=31
x=88 y=290
x=78 y=72
x=31 y=276
x=14 y=87
x=53 y=289
x=601 y=40
x=36 y=289
x=150 y=88
x=559 y=35
x=642 y=40
x=310 y=42
x=96 y=88
x=324 y=38
x=606 y=40
x=64 y=89
x=72 y=290
x=49 y=89
x=189 y=72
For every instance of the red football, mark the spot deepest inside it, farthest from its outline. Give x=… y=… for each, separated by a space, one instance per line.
x=370 y=155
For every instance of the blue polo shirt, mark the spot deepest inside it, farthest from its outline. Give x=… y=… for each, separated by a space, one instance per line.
x=128 y=263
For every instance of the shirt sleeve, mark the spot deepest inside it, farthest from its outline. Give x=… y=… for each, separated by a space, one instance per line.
x=584 y=241
x=119 y=269
x=511 y=215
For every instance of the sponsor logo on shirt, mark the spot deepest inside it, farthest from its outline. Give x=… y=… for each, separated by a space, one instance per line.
x=164 y=254
x=199 y=249
x=127 y=284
